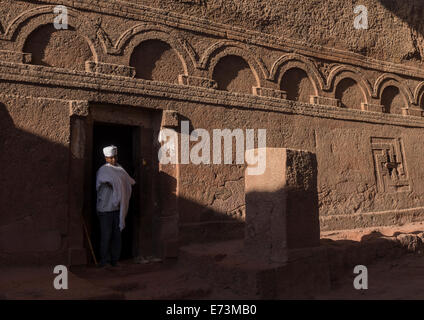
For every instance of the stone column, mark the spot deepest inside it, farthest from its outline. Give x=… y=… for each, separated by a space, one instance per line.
x=78 y=113
x=167 y=221
x=281 y=205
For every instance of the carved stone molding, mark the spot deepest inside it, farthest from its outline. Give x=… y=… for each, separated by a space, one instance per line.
x=16 y=57
x=71 y=79
x=109 y=68
x=144 y=13
x=371 y=219
x=268 y=92
x=415 y=112
x=78 y=108
x=405 y=111
x=197 y=81
x=176 y=29
x=372 y=107
x=169 y=119
x=325 y=101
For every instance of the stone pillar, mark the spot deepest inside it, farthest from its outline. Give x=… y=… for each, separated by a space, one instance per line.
x=167 y=221
x=282 y=205
x=76 y=252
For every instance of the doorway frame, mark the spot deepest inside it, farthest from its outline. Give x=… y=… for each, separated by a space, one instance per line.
x=158 y=232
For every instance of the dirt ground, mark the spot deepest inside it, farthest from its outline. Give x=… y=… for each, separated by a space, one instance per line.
x=400 y=277
x=389 y=279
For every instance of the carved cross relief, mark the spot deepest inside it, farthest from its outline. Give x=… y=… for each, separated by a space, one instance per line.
x=389 y=165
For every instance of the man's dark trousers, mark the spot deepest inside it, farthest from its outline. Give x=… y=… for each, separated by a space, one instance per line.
x=110 y=237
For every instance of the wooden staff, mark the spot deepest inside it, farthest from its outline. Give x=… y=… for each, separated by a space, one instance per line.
x=89 y=241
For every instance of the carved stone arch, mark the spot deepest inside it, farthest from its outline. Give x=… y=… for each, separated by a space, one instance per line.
x=386 y=80
x=222 y=49
x=291 y=61
x=133 y=37
x=24 y=24
x=340 y=73
x=389 y=88
x=419 y=95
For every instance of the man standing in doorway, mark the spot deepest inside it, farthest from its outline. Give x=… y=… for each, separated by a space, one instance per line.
x=114 y=186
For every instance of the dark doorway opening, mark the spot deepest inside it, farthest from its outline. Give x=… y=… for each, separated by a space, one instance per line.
x=124 y=137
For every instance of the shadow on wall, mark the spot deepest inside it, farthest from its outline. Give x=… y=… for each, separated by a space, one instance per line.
x=34 y=195
x=34 y=198
x=392 y=100
x=349 y=94
x=34 y=205
x=204 y=224
x=232 y=73
x=156 y=60
x=58 y=48
x=297 y=85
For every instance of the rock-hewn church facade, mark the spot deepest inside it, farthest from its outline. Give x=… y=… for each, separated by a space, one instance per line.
x=132 y=70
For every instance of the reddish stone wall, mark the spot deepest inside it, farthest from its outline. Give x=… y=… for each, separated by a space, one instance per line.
x=34 y=159
x=395 y=33
x=347 y=182
x=356 y=113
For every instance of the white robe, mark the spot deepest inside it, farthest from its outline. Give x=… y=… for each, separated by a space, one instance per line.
x=122 y=186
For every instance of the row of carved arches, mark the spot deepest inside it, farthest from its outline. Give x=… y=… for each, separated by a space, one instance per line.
x=158 y=53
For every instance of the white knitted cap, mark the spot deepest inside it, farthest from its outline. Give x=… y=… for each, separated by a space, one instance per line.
x=110 y=151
